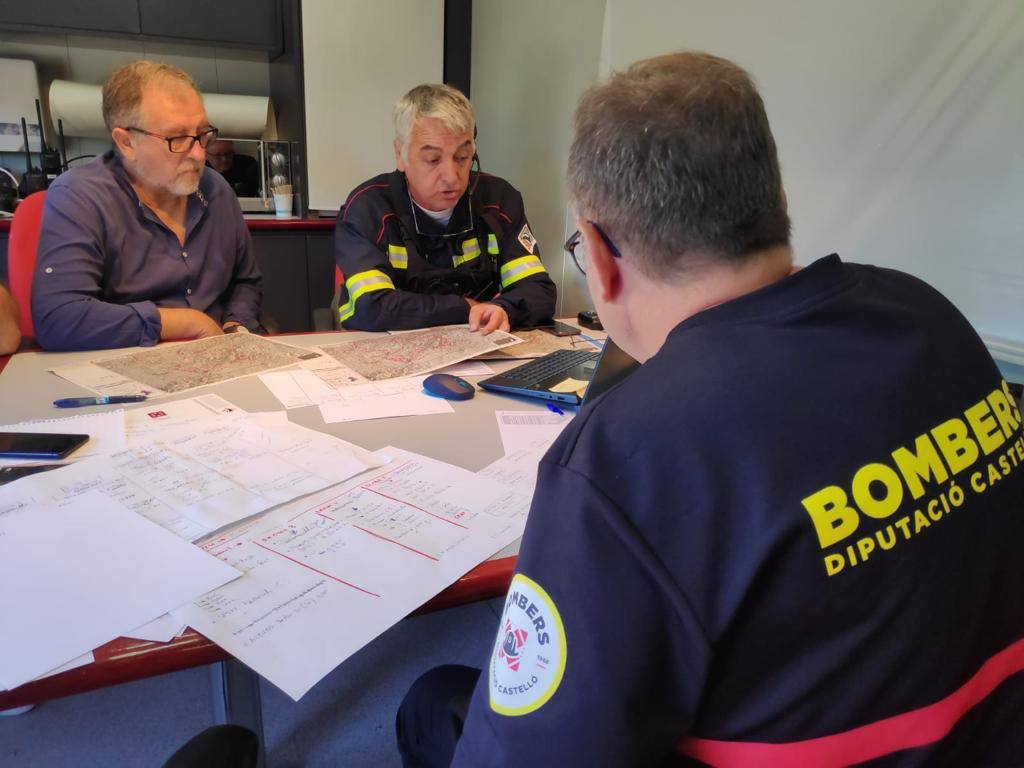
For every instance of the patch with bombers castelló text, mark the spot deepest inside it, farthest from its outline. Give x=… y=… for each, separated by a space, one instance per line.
x=529 y=654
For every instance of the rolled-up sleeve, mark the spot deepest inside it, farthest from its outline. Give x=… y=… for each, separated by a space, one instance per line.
x=246 y=292
x=67 y=307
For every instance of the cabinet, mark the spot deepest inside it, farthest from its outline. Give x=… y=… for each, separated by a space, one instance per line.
x=298 y=275
x=231 y=23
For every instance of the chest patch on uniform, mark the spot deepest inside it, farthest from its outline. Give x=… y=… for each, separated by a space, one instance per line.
x=526 y=238
x=529 y=653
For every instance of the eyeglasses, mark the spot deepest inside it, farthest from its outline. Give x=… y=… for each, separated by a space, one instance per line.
x=184 y=143
x=575 y=242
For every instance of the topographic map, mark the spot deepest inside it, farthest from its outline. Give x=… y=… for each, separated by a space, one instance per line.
x=176 y=367
x=536 y=344
x=416 y=352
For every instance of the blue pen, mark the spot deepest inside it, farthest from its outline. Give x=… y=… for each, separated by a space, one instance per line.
x=81 y=402
x=555 y=409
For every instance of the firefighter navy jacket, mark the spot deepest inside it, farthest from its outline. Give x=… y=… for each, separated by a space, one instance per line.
x=792 y=537
x=404 y=270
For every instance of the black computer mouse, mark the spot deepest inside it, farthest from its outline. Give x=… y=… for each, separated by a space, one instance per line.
x=447 y=386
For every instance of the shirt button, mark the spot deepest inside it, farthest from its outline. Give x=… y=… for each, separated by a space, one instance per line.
x=49 y=270
x=188 y=291
x=184 y=254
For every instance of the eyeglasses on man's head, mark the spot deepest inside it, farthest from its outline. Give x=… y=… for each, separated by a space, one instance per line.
x=185 y=142
x=575 y=248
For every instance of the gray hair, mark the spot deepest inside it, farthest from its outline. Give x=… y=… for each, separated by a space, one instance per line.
x=122 y=92
x=438 y=101
x=675 y=159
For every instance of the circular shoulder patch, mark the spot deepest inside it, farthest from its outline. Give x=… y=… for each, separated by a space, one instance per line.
x=529 y=655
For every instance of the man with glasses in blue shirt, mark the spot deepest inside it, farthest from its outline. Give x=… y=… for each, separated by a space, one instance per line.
x=140 y=245
x=433 y=242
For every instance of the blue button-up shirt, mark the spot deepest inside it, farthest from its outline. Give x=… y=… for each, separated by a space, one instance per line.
x=106 y=262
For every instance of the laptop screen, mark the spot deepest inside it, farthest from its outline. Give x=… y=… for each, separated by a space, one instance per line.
x=613 y=366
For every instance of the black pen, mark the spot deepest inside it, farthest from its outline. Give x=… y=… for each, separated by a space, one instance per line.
x=81 y=402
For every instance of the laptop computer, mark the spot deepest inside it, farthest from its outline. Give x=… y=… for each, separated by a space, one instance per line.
x=560 y=375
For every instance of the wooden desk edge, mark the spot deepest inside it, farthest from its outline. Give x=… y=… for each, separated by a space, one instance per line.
x=126 y=659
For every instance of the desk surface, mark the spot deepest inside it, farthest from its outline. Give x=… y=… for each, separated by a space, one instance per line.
x=468 y=438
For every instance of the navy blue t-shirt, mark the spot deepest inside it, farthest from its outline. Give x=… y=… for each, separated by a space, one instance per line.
x=792 y=537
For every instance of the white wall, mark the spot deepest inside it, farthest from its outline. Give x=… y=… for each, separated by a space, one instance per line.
x=899 y=127
x=359 y=57
x=531 y=61
x=899 y=124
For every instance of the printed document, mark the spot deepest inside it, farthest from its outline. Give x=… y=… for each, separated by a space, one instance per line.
x=328 y=573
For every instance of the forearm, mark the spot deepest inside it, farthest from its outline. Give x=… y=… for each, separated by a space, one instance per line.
x=394 y=310
x=530 y=302
x=10 y=335
x=69 y=324
x=243 y=306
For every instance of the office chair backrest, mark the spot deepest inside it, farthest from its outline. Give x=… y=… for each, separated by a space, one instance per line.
x=21 y=256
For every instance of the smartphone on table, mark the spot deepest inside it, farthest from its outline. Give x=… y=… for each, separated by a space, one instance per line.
x=38 y=445
x=559 y=329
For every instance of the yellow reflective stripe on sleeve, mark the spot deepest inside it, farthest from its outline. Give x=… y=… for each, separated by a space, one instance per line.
x=492 y=245
x=359 y=284
x=517 y=269
x=398 y=256
x=470 y=250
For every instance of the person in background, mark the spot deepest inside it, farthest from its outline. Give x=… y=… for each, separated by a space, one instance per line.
x=433 y=242
x=10 y=334
x=140 y=245
x=242 y=172
x=792 y=535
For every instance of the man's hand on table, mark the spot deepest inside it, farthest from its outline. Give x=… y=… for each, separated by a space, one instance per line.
x=487 y=318
x=186 y=324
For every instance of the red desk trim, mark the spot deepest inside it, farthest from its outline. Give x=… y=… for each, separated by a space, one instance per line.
x=287 y=224
x=123 y=660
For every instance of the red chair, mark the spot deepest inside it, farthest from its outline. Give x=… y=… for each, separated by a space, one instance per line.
x=21 y=256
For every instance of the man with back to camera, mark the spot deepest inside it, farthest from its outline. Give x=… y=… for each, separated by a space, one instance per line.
x=792 y=536
x=140 y=245
x=433 y=243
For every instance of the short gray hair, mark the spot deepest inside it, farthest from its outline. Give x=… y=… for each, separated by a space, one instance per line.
x=122 y=92
x=442 y=102
x=675 y=159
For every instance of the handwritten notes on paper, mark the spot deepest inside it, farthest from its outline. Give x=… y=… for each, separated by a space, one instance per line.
x=195 y=479
x=345 y=564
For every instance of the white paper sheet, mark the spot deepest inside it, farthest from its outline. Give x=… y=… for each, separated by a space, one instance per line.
x=75 y=663
x=327 y=574
x=298 y=388
x=529 y=429
x=381 y=400
x=106 y=434
x=468 y=368
x=162 y=629
x=79 y=574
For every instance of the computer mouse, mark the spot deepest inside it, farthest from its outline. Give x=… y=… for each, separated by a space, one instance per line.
x=449 y=387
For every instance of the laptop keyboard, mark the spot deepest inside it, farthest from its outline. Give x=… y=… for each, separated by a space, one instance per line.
x=553 y=364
